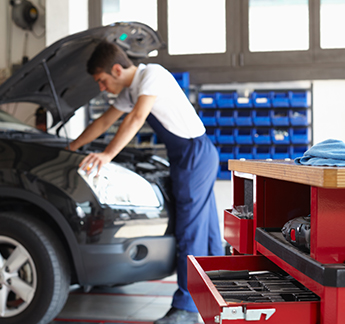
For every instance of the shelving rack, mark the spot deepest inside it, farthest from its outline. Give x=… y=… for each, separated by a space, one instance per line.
x=279 y=191
x=271 y=123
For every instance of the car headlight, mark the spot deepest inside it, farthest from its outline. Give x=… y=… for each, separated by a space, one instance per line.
x=116 y=185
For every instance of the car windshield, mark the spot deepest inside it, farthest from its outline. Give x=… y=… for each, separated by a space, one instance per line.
x=9 y=123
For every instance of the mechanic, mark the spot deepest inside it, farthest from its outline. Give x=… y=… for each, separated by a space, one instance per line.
x=149 y=92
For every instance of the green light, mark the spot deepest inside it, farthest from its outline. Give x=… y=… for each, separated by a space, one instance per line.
x=123 y=37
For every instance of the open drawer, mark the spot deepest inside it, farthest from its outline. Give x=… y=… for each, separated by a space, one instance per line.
x=217 y=305
x=238 y=232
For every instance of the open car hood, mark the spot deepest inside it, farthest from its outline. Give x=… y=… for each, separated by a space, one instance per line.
x=56 y=78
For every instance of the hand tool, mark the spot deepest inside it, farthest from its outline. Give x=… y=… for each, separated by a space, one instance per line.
x=229 y=274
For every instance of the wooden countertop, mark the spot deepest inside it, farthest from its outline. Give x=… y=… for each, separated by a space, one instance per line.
x=318 y=176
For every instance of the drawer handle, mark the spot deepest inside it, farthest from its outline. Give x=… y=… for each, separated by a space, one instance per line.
x=235 y=313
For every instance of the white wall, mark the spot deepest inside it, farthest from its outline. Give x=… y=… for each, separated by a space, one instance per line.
x=14 y=38
x=15 y=43
x=35 y=38
x=3 y=33
x=65 y=17
x=329 y=110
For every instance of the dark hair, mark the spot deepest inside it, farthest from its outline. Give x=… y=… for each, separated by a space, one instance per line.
x=104 y=56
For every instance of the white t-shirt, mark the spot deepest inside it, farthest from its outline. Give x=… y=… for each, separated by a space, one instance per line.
x=171 y=107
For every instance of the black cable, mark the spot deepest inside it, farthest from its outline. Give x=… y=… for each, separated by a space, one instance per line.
x=37 y=36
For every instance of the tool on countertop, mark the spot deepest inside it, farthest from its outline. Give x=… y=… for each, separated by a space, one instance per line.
x=297 y=232
x=242 y=211
x=230 y=275
x=246 y=286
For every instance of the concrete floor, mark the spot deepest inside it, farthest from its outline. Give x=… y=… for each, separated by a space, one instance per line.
x=142 y=302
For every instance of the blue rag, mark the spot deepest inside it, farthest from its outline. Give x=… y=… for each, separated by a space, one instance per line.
x=330 y=152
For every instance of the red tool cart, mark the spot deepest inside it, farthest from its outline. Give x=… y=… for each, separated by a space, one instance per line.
x=267 y=279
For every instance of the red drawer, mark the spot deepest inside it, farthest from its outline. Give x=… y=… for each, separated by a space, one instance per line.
x=215 y=309
x=238 y=232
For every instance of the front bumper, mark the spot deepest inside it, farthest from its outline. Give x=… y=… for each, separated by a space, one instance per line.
x=133 y=260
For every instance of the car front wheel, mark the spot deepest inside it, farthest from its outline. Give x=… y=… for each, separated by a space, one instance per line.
x=34 y=272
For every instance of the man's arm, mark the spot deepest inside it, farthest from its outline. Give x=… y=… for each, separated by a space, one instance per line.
x=96 y=128
x=127 y=130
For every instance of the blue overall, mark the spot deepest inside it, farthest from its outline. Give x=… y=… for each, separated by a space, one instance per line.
x=193 y=169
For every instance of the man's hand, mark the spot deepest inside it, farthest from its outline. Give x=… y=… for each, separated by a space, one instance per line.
x=95 y=160
x=127 y=130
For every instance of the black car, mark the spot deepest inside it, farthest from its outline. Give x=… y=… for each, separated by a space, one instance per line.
x=59 y=226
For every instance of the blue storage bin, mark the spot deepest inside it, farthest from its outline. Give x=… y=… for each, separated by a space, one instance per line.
x=243 y=102
x=262 y=136
x=208 y=117
x=243 y=117
x=225 y=117
x=207 y=100
x=226 y=100
x=299 y=117
x=298 y=150
x=261 y=117
x=299 y=99
x=300 y=135
x=244 y=135
x=223 y=172
x=280 y=117
x=280 y=99
x=226 y=152
x=281 y=152
x=244 y=152
x=211 y=133
x=280 y=136
x=225 y=136
x=182 y=79
x=262 y=99
x=262 y=152
x=148 y=138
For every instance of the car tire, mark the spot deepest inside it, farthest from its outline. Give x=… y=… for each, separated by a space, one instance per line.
x=34 y=271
